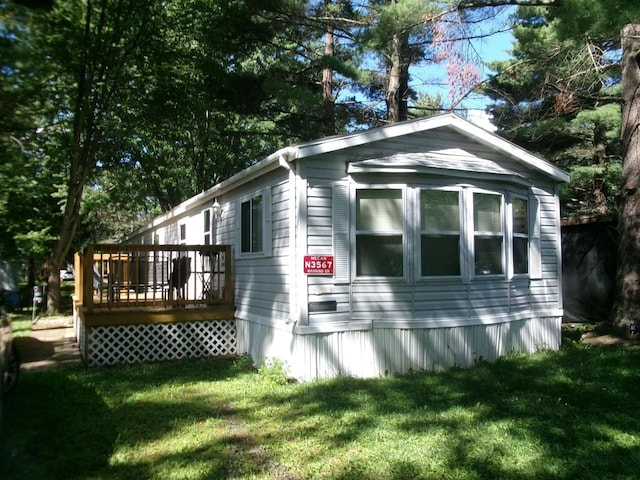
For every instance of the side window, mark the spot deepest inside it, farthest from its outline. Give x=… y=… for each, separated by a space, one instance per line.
x=207 y=226
x=379 y=232
x=520 y=222
x=439 y=233
x=488 y=234
x=251 y=225
x=183 y=232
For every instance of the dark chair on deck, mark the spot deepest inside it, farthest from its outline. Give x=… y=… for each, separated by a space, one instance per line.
x=180 y=273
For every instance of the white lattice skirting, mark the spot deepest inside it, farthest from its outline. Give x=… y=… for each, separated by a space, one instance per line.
x=110 y=345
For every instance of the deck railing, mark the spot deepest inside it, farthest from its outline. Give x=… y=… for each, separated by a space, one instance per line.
x=110 y=276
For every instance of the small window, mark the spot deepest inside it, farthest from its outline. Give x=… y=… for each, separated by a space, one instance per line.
x=440 y=232
x=379 y=225
x=183 y=232
x=251 y=222
x=488 y=241
x=520 y=219
x=207 y=226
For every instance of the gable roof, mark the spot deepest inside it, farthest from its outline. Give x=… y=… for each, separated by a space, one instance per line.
x=284 y=156
x=450 y=120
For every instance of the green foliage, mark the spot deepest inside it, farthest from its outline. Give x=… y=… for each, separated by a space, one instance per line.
x=273 y=371
x=601 y=20
x=559 y=97
x=587 y=181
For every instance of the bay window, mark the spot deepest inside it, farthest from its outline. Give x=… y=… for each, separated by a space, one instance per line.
x=433 y=232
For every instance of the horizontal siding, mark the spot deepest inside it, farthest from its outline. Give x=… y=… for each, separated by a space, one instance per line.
x=263 y=283
x=441 y=301
x=382 y=301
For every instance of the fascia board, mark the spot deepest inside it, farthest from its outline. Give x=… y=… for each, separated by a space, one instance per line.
x=332 y=144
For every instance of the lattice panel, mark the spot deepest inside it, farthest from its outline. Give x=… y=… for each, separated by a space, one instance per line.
x=110 y=345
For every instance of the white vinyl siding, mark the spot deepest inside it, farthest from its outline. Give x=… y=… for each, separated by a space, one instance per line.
x=440 y=300
x=262 y=289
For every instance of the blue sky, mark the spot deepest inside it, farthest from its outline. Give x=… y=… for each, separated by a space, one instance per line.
x=433 y=79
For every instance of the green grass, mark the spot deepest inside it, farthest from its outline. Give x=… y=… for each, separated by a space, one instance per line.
x=566 y=415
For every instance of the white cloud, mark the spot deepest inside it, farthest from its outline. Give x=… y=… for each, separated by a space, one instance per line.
x=482 y=119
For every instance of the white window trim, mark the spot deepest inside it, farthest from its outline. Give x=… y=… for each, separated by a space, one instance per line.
x=412 y=231
x=470 y=227
x=417 y=263
x=266 y=225
x=207 y=227
x=511 y=235
x=406 y=274
x=181 y=225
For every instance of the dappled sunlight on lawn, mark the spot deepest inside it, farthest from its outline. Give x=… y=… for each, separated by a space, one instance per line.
x=570 y=414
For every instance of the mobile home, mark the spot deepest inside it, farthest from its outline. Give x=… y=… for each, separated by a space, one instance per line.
x=421 y=245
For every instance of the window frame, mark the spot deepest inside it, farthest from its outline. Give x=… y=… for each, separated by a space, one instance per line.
x=513 y=235
x=403 y=233
x=412 y=232
x=421 y=232
x=473 y=233
x=264 y=244
x=206 y=218
x=182 y=232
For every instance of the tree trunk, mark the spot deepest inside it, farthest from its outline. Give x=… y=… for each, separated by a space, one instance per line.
x=68 y=227
x=627 y=303
x=328 y=105
x=397 y=81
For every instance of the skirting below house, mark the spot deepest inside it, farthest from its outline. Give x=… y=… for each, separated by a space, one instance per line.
x=117 y=344
x=381 y=351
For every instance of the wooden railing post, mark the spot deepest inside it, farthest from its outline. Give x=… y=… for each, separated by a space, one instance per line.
x=229 y=290
x=87 y=278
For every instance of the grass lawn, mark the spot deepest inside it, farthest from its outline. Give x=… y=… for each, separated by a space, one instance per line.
x=574 y=414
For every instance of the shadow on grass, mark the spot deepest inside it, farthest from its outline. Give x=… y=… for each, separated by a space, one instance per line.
x=572 y=414
x=565 y=415
x=41 y=439
x=78 y=423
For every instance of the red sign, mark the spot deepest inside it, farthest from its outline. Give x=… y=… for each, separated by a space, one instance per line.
x=318 y=264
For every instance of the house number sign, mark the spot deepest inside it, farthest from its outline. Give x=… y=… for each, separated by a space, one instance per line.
x=318 y=264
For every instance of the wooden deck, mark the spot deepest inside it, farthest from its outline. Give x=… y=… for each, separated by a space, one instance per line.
x=142 y=303
x=141 y=284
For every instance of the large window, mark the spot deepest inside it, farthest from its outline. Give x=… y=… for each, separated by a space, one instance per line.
x=488 y=234
x=379 y=227
x=251 y=225
x=440 y=232
x=520 y=222
x=434 y=232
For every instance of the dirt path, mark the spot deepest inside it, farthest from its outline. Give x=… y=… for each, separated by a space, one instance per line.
x=50 y=344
